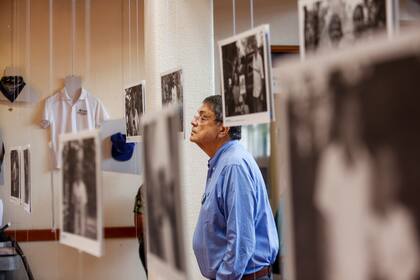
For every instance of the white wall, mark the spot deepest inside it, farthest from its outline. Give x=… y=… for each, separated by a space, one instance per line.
x=103 y=61
x=179 y=34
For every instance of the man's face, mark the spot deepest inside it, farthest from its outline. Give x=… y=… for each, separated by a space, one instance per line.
x=205 y=128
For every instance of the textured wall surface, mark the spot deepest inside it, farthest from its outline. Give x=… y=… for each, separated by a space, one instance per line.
x=180 y=34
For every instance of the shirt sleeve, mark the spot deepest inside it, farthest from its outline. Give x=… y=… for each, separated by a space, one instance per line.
x=101 y=114
x=239 y=204
x=46 y=115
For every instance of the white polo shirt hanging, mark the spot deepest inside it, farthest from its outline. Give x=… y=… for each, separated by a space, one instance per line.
x=64 y=116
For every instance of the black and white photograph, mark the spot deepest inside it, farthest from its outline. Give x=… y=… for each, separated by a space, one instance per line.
x=166 y=251
x=15 y=191
x=353 y=137
x=81 y=198
x=246 y=77
x=172 y=91
x=134 y=109
x=2 y=154
x=326 y=24
x=26 y=178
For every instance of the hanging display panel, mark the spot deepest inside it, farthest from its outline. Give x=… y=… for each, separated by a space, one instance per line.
x=246 y=77
x=336 y=23
x=172 y=91
x=15 y=183
x=81 y=192
x=165 y=240
x=352 y=121
x=26 y=178
x=134 y=109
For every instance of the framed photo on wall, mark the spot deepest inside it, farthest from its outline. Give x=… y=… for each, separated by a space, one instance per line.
x=245 y=61
x=172 y=91
x=81 y=192
x=133 y=111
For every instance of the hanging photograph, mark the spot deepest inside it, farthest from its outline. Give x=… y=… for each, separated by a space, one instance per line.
x=81 y=192
x=352 y=124
x=166 y=252
x=2 y=154
x=172 y=91
x=246 y=77
x=26 y=178
x=333 y=24
x=15 y=174
x=134 y=109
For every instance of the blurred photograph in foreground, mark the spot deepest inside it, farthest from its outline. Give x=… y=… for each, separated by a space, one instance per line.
x=353 y=137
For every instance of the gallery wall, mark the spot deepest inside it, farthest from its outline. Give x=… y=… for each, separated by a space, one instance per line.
x=172 y=34
x=106 y=62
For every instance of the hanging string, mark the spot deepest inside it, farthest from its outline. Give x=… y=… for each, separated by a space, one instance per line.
x=234 y=16
x=87 y=38
x=137 y=38
x=50 y=75
x=251 y=11
x=28 y=63
x=50 y=89
x=129 y=40
x=122 y=46
x=73 y=35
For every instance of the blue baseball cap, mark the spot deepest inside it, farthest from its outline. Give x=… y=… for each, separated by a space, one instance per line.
x=121 y=151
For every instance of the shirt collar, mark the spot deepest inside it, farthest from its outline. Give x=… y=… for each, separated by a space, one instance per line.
x=212 y=161
x=64 y=95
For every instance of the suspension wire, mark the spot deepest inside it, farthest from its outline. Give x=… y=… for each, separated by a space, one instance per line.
x=73 y=35
x=87 y=39
x=251 y=11
x=234 y=16
x=137 y=38
x=129 y=41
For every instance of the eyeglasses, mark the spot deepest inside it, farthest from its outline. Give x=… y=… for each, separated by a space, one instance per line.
x=200 y=119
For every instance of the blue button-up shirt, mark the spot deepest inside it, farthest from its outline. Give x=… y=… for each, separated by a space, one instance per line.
x=235 y=233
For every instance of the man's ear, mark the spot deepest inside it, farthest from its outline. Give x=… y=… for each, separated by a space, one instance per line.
x=223 y=131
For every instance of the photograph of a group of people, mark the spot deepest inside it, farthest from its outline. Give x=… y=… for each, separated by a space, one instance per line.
x=245 y=77
x=134 y=109
x=14 y=175
x=163 y=194
x=80 y=197
x=354 y=150
x=328 y=23
x=172 y=92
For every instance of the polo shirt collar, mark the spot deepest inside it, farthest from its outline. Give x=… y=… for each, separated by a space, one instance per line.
x=64 y=95
x=212 y=161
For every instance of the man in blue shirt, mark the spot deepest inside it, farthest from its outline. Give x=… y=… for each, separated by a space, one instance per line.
x=235 y=236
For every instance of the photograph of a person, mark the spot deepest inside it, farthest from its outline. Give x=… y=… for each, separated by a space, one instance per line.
x=15 y=191
x=172 y=91
x=163 y=193
x=134 y=109
x=353 y=163
x=332 y=24
x=245 y=77
x=81 y=211
x=26 y=182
